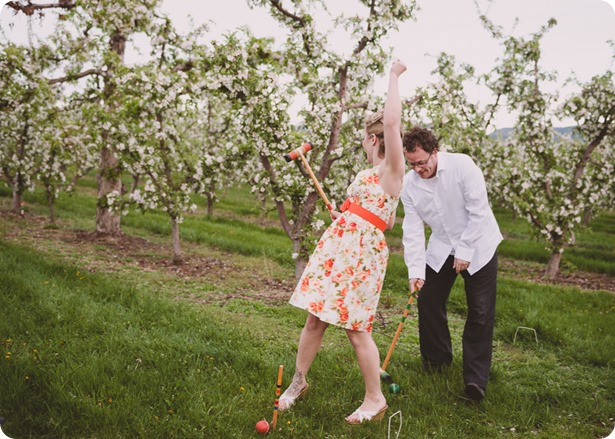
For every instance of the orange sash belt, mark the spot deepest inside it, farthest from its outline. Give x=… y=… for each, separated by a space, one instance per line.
x=364 y=213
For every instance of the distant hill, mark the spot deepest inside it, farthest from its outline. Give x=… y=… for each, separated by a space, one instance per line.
x=504 y=133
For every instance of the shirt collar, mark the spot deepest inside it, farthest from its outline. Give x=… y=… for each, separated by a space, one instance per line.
x=443 y=162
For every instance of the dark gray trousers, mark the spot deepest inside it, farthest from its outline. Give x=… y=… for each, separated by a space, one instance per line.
x=434 y=334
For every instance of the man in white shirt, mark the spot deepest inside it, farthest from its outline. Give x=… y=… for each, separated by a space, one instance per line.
x=447 y=192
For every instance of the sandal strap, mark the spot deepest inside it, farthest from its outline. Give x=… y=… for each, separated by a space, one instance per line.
x=364 y=415
x=288 y=400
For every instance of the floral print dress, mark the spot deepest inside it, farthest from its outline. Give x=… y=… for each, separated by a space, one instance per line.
x=342 y=281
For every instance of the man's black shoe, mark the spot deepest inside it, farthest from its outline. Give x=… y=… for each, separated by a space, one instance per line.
x=475 y=392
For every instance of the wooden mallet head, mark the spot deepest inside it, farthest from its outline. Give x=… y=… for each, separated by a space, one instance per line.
x=295 y=153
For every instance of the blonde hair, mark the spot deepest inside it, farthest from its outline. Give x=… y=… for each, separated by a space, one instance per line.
x=374 y=125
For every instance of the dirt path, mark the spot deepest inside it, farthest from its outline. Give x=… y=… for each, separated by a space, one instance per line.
x=114 y=253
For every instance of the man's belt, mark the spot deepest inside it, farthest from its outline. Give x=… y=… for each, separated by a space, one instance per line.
x=364 y=213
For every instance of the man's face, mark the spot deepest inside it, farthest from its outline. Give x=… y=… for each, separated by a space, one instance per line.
x=422 y=162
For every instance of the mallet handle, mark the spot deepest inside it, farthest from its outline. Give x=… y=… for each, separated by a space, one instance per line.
x=278 y=390
x=399 y=328
x=318 y=188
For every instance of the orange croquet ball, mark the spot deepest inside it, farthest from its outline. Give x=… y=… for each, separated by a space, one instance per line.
x=262 y=427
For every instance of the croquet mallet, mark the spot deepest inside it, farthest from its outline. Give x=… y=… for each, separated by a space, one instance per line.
x=278 y=390
x=299 y=153
x=384 y=376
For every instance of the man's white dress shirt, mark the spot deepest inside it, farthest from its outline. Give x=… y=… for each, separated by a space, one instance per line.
x=454 y=204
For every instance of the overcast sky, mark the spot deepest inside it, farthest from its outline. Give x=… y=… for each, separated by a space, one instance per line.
x=578 y=44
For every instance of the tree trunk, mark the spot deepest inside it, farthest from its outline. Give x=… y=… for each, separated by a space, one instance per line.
x=553 y=265
x=135 y=183
x=19 y=187
x=51 y=201
x=210 y=205
x=177 y=252
x=17 y=198
x=108 y=223
x=587 y=216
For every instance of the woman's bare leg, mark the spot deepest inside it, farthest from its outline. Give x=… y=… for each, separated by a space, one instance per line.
x=309 y=344
x=369 y=363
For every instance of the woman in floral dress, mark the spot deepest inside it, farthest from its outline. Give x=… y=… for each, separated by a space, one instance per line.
x=342 y=281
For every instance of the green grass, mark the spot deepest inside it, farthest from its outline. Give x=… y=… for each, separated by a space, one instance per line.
x=89 y=356
x=93 y=356
x=223 y=233
x=94 y=348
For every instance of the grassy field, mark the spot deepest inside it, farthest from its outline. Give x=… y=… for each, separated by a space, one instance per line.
x=105 y=338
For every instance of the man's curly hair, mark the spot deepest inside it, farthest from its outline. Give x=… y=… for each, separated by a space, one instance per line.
x=419 y=137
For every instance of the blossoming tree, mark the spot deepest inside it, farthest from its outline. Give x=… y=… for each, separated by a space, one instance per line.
x=336 y=90
x=169 y=128
x=89 y=42
x=25 y=104
x=67 y=150
x=549 y=179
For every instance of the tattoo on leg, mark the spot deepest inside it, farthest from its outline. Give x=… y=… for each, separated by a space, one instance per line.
x=298 y=378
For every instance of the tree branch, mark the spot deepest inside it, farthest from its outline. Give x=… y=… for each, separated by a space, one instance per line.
x=593 y=145
x=183 y=67
x=278 y=5
x=278 y=204
x=414 y=100
x=364 y=40
x=76 y=76
x=361 y=105
x=29 y=8
x=299 y=21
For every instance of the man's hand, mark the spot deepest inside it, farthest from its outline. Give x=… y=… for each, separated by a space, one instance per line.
x=459 y=265
x=416 y=284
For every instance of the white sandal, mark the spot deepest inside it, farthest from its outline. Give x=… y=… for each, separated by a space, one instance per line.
x=365 y=416
x=289 y=401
